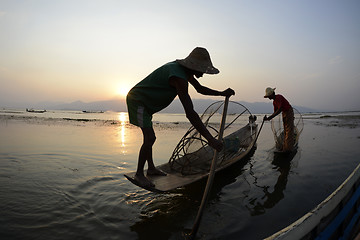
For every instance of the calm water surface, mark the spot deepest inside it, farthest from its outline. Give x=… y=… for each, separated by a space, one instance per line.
x=61 y=177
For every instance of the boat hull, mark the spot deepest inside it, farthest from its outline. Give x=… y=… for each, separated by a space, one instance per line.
x=175 y=179
x=334 y=218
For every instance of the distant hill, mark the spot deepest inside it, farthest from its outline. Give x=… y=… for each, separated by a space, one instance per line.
x=119 y=105
x=116 y=105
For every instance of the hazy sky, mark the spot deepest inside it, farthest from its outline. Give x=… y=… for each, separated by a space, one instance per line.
x=92 y=50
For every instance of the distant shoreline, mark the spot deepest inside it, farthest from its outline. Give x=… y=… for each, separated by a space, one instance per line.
x=119 y=105
x=349 y=119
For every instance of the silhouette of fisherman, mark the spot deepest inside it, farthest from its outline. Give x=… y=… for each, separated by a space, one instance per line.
x=158 y=90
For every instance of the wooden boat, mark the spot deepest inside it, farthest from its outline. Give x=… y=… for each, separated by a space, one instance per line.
x=337 y=217
x=35 y=111
x=175 y=179
x=191 y=159
x=85 y=111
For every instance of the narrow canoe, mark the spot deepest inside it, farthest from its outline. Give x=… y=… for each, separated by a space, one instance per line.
x=337 y=217
x=245 y=138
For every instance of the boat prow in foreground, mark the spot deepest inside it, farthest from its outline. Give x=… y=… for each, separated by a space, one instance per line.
x=337 y=217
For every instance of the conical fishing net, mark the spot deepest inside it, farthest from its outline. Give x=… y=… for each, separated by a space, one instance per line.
x=277 y=127
x=193 y=154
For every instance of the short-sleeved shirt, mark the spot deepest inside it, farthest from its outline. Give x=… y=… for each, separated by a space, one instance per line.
x=281 y=102
x=155 y=92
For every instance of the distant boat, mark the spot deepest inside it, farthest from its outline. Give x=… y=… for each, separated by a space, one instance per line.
x=92 y=111
x=35 y=111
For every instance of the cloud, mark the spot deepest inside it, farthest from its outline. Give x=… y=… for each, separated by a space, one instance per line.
x=335 y=60
x=2 y=14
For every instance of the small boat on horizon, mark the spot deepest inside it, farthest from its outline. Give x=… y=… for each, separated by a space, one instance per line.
x=85 y=111
x=35 y=111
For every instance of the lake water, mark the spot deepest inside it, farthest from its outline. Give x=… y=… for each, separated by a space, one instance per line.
x=61 y=177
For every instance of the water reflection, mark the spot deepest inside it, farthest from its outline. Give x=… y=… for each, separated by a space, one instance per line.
x=170 y=216
x=123 y=120
x=159 y=215
x=282 y=163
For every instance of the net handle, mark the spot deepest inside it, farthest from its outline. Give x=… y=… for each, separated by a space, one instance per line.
x=211 y=175
x=259 y=131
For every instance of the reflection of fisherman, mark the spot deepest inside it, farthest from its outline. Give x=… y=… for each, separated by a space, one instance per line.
x=274 y=197
x=282 y=105
x=158 y=90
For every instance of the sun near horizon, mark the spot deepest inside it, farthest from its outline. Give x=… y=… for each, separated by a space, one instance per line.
x=122 y=90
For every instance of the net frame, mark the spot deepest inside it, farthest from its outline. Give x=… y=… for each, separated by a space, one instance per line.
x=277 y=127
x=188 y=156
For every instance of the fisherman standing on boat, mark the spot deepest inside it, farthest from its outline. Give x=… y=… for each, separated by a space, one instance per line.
x=158 y=90
x=282 y=105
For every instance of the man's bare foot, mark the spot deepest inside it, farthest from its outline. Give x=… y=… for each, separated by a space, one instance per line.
x=144 y=181
x=156 y=171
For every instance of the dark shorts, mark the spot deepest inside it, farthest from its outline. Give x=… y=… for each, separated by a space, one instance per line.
x=138 y=114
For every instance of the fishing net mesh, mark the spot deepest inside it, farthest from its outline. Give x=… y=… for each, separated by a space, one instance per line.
x=277 y=127
x=193 y=154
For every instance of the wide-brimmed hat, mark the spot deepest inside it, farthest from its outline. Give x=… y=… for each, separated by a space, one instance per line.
x=199 y=60
x=269 y=91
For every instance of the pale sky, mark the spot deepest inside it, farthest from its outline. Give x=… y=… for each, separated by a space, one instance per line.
x=91 y=50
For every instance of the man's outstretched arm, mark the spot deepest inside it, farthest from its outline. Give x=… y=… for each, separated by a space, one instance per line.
x=208 y=91
x=182 y=90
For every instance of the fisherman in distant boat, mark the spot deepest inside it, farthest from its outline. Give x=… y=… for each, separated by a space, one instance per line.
x=282 y=105
x=158 y=90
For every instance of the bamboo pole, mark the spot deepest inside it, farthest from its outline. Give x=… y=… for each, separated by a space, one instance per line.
x=259 y=131
x=211 y=174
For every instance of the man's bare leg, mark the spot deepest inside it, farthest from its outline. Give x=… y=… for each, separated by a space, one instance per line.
x=145 y=154
x=139 y=176
x=152 y=170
